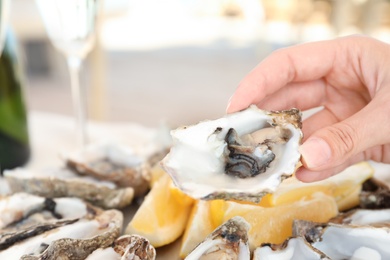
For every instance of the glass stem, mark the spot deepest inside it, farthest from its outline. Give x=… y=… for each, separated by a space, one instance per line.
x=78 y=99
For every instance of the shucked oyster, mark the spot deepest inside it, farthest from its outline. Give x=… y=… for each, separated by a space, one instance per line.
x=34 y=227
x=24 y=210
x=228 y=241
x=241 y=156
x=112 y=162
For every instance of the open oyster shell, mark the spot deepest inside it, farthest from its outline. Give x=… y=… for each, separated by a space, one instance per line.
x=22 y=210
x=360 y=217
x=112 y=162
x=240 y=156
x=228 y=241
x=65 y=228
x=64 y=183
x=346 y=241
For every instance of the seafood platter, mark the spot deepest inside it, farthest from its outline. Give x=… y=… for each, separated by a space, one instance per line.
x=219 y=189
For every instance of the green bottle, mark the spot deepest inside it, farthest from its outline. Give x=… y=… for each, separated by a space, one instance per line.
x=14 y=142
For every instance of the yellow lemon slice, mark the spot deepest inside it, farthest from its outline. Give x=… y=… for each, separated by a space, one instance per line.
x=163 y=215
x=274 y=225
x=344 y=187
x=199 y=226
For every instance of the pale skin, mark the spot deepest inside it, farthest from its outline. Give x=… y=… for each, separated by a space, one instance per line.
x=350 y=78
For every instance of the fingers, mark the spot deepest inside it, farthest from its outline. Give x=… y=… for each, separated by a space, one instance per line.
x=300 y=63
x=335 y=145
x=321 y=119
x=377 y=153
x=302 y=95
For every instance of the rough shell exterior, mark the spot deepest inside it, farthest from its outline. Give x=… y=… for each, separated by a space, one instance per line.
x=53 y=187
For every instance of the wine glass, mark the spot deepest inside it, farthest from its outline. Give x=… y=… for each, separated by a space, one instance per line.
x=71 y=27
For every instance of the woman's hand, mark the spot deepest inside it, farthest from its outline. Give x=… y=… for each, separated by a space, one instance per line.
x=350 y=78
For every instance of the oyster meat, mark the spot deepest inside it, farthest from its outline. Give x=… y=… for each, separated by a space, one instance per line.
x=240 y=156
x=64 y=228
x=228 y=241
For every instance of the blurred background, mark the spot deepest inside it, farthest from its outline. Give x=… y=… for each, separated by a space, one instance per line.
x=179 y=61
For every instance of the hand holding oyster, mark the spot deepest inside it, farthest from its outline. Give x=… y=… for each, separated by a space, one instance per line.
x=241 y=156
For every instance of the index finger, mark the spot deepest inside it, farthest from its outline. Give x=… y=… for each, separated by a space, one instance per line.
x=299 y=63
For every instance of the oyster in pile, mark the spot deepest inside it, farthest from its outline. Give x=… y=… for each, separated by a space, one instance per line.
x=228 y=241
x=240 y=156
x=114 y=163
x=33 y=227
x=62 y=182
x=107 y=175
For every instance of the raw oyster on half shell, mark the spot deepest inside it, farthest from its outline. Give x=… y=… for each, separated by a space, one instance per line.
x=65 y=228
x=240 y=156
x=62 y=182
x=112 y=162
x=23 y=210
x=228 y=241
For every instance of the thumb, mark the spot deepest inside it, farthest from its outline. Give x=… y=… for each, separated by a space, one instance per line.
x=336 y=144
x=328 y=147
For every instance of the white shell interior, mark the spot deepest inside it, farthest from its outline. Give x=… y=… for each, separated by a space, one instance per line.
x=11 y=207
x=17 y=206
x=368 y=217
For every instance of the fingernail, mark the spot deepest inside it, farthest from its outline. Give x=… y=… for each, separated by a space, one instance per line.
x=315 y=152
